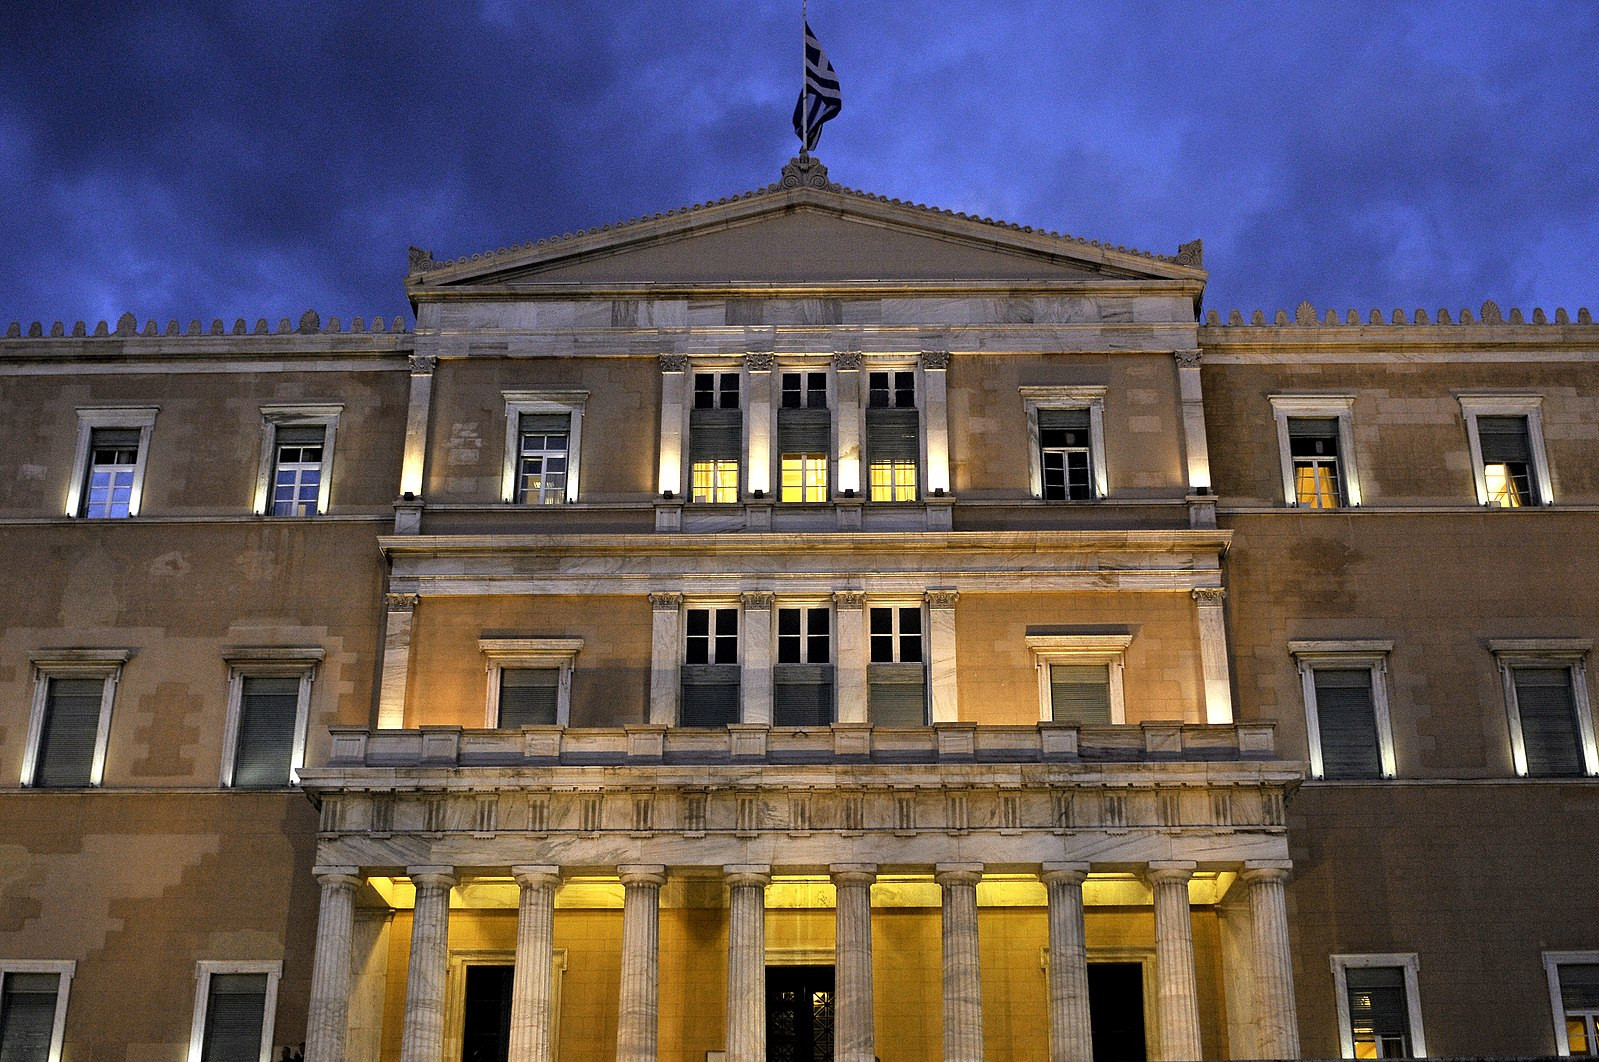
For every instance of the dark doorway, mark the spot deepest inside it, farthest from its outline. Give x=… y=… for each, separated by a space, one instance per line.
x=486 y=1029
x=799 y=1013
x=1116 y=1011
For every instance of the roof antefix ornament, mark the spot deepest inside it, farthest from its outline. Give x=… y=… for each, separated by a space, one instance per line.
x=803 y=171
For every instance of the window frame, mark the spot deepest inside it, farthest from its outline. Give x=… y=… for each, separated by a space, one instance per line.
x=1091 y=398
x=1552 y=961
x=571 y=403
x=324 y=416
x=921 y=488
x=267 y=662
x=1347 y=655
x=502 y=653
x=103 y=664
x=64 y=969
x=1338 y=406
x=1107 y=649
x=90 y=418
x=204 y=970
x=1410 y=964
x=1530 y=406
x=1570 y=654
x=805 y=606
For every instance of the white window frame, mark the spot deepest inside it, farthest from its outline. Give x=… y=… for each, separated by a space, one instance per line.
x=268 y=662
x=806 y=604
x=571 y=403
x=1340 y=406
x=326 y=417
x=1350 y=655
x=1061 y=397
x=1568 y=653
x=104 y=664
x=141 y=417
x=1552 y=961
x=204 y=970
x=714 y=604
x=1108 y=649
x=1406 y=961
x=897 y=603
x=924 y=490
x=502 y=653
x=63 y=968
x=1473 y=406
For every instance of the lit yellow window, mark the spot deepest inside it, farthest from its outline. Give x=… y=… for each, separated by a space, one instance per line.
x=1509 y=484
x=715 y=481
x=1316 y=484
x=1577 y=1026
x=893 y=480
x=804 y=478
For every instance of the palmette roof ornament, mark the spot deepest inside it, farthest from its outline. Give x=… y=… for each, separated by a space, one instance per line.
x=805 y=171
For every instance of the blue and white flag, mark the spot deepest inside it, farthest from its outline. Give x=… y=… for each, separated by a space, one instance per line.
x=819 y=100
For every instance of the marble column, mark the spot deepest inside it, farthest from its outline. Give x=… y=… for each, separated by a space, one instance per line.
x=408 y=511
x=1177 y=1006
x=941 y=655
x=853 y=1037
x=1070 y=1032
x=758 y=391
x=422 y=1038
x=849 y=616
x=746 y=962
x=963 y=984
x=398 y=612
x=847 y=422
x=755 y=671
x=1275 y=1012
x=1213 y=665
x=666 y=657
x=935 y=403
x=638 y=1019
x=674 y=398
x=327 y=1023
x=531 y=987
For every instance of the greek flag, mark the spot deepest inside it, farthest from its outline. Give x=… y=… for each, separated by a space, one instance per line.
x=819 y=100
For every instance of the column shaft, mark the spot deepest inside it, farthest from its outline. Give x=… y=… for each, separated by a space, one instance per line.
x=532 y=984
x=1212 y=622
x=963 y=985
x=758 y=477
x=1275 y=1011
x=327 y=1023
x=1178 y=999
x=666 y=658
x=854 y=1039
x=422 y=1038
x=936 y=403
x=755 y=674
x=399 y=611
x=941 y=655
x=847 y=424
x=1070 y=1031
x=638 y=1019
x=849 y=615
x=746 y=963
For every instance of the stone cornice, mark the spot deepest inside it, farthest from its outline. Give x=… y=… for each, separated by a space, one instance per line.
x=531 y=291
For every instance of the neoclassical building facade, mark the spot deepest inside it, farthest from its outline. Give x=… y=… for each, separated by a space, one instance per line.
x=804 y=625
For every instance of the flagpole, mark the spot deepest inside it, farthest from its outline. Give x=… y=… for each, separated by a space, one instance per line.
x=805 y=72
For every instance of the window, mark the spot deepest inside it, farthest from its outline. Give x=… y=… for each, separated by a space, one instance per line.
x=1080 y=677
x=108 y=467
x=710 y=666
x=1505 y=434
x=804 y=438
x=802 y=679
x=1345 y=686
x=896 y=675
x=1066 y=442
x=1316 y=444
x=804 y=390
x=893 y=435
x=234 y=1007
x=1546 y=694
x=1379 y=1015
x=296 y=469
x=33 y=1008
x=530 y=680
x=71 y=719
x=1574 y=994
x=269 y=699
x=716 y=390
x=716 y=438
x=543 y=440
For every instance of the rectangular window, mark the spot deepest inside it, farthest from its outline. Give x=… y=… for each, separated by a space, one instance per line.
x=1574 y=993
x=1080 y=693
x=1080 y=676
x=893 y=436
x=891 y=390
x=1065 y=454
x=297 y=471
x=716 y=390
x=71 y=718
x=1313 y=448
x=803 y=676
x=269 y=700
x=541 y=456
x=804 y=438
x=1546 y=697
x=716 y=439
x=529 y=696
x=896 y=676
x=530 y=680
x=804 y=390
x=1378 y=1012
x=108 y=464
x=1505 y=434
x=33 y=1009
x=1345 y=688
x=710 y=679
x=234 y=1007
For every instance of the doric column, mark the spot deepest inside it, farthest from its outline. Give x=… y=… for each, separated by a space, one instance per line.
x=935 y=399
x=1070 y=1033
x=327 y=1023
x=531 y=1018
x=746 y=962
x=399 y=610
x=847 y=424
x=422 y=1038
x=941 y=655
x=755 y=675
x=849 y=614
x=758 y=378
x=963 y=984
x=1274 y=960
x=638 y=1020
x=1213 y=653
x=853 y=1036
x=666 y=657
x=674 y=397
x=1178 y=998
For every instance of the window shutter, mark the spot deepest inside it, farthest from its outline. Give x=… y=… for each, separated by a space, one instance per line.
x=896 y=694
x=28 y=1016
x=1548 y=720
x=529 y=696
x=1080 y=693
x=114 y=438
x=545 y=423
x=1503 y=439
x=893 y=435
x=234 y=1010
x=715 y=435
x=299 y=435
x=1063 y=419
x=1312 y=427
x=710 y=695
x=802 y=695
x=1377 y=1000
x=804 y=431
x=66 y=741
x=1579 y=986
x=267 y=710
x=1347 y=721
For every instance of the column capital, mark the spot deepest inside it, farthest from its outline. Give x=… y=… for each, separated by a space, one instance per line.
x=852 y=873
x=849 y=598
x=752 y=874
x=432 y=875
x=942 y=598
x=760 y=361
x=1169 y=871
x=760 y=600
x=937 y=360
x=649 y=875
x=338 y=875
x=847 y=361
x=1266 y=870
x=1064 y=873
x=1188 y=359
x=534 y=877
x=1208 y=595
x=423 y=364
x=674 y=362
x=947 y=874
x=401 y=602
x=665 y=602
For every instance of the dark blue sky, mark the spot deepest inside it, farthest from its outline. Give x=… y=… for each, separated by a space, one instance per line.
x=209 y=158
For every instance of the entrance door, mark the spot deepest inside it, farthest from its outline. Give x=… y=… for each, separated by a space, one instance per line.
x=1116 y=1011
x=799 y=1013
x=486 y=1025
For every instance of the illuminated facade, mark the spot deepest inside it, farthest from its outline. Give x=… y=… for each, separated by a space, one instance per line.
x=801 y=626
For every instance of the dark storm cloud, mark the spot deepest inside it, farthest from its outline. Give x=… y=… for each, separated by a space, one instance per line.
x=188 y=159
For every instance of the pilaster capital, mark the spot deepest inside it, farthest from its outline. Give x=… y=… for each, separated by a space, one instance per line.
x=537 y=877
x=849 y=598
x=936 y=360
x=1188 y=359
x=944 y=598
x=338 y=877
x=401 y=602
x=950 y=875
x=760 y=361
x=423 y=364
x=856 y=874
x=761 y=600
x=747 y=875
x=439 y=877
x=847 y=361
x=674 y=362
x=665 y=602
x=642 y=875
x=1266 y=871
x=1169 y=871
x=1211 y=596
x=1064 y=873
